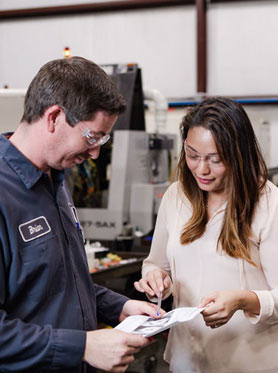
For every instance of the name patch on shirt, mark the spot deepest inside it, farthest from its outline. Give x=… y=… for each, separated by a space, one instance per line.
x=34 y=228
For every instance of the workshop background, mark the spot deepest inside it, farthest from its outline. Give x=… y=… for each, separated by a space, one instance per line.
x=162 y=36
x=175 y=52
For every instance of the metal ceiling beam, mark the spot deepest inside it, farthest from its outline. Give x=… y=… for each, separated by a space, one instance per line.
x=234 y=1
x=109 y=6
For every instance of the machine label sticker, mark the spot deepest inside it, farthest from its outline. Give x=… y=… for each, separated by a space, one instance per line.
x=34 y=228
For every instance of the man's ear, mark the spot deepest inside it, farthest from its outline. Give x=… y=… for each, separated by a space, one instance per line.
x=51 y=116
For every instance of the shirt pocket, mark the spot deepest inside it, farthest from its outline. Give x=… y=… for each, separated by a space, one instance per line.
x=43 y=267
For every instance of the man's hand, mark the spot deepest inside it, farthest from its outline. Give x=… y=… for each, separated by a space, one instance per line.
x=153 y=283
x=136 y=307
x=112 y=350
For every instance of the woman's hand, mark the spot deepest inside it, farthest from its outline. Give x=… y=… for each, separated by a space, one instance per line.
x=153 y=283
x=221 y=305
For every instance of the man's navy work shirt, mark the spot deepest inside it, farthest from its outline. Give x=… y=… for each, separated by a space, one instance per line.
x=47 y=297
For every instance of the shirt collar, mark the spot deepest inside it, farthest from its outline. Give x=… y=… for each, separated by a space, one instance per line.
x=25 y=170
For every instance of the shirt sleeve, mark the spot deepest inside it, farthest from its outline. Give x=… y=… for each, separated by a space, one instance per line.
x=267 y=218
x=157 y=259
x=109 y=305
x=26 y=345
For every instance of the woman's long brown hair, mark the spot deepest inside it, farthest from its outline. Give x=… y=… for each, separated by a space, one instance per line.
x=247 y=172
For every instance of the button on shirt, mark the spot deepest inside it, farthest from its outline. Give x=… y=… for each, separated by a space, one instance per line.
x=47 y=297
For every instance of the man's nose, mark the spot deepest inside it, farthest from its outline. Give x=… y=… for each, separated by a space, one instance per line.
x=94 y=152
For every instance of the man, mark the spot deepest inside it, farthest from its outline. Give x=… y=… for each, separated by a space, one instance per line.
x=49 y=306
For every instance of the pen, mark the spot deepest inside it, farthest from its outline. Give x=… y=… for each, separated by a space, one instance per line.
x=159 y=303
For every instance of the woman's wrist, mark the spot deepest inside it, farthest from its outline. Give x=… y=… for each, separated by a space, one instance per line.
x=249 y=302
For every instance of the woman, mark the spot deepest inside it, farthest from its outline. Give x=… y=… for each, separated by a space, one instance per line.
x=215 y=245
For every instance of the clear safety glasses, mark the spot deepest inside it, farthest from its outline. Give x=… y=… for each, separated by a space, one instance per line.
x=92 y=139
x=195 y=158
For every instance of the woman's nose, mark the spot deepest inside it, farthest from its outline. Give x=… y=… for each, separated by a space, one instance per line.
x=203 y=166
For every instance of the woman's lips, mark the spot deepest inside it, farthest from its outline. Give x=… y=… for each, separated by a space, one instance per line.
x=205 y=181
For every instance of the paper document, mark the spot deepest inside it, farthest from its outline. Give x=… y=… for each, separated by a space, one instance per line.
x=148 y=326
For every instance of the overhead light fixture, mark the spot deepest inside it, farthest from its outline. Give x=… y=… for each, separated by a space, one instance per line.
x=67 y=52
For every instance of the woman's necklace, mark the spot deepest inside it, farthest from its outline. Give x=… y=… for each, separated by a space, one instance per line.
x=212 y=209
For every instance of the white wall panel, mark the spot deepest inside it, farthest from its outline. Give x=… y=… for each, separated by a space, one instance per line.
x=161 y=41
x=242 y=48
x=242 y=45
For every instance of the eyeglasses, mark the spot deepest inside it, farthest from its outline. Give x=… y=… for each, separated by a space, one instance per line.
x=92 y=140
x=195 y=158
